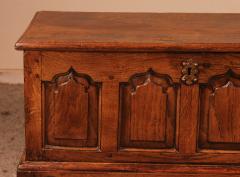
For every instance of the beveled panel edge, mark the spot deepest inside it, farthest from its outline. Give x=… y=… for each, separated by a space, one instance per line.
x=54 y=80
x=133 y=84
x=212 y=85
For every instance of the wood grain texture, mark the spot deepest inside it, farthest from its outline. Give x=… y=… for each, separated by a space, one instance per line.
x=70 y=123
x=144 y=115
x=188 y=118
x=121 y=66
x=130 y=167
x=33 y=105
x=140 y=170
x=148 y=111
x=72 y=110
x=109 y=122
x=80 y=174
x=132 y=32
x=144 y=156
x=219 y=126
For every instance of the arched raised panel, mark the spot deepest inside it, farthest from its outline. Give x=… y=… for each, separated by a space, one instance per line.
x=220 y=113
x=71 y=101
x=148 y=111
x=144 y=103
x=71 y=110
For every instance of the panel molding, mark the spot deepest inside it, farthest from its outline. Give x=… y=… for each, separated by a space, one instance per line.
x=143 y=123
x=228 y=79
x=219 y=119
x=72 y=75
x=71 y=103
x=150 y=77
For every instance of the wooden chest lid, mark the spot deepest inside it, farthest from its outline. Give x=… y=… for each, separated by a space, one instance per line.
x=132 y=32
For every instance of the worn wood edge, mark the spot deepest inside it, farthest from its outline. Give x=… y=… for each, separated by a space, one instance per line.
x=123 y=46
x=95 y=167
x=113 y=174
x=129 y=47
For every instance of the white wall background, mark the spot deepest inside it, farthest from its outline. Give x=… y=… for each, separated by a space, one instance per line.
x=15 y=15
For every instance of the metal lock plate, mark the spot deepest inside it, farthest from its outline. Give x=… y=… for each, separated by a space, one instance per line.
x=189 y=72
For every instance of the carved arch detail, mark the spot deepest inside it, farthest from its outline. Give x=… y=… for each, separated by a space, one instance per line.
x=230 y=78
x=72 y=110
x=148 y=111
x=71 y=75
x=142 y=79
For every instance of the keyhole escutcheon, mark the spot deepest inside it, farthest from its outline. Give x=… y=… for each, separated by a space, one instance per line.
x=189 y=72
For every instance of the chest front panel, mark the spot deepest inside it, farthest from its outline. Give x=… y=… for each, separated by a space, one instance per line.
x=131 y=107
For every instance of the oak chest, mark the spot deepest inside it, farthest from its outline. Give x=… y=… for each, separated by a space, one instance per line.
x=131 y=95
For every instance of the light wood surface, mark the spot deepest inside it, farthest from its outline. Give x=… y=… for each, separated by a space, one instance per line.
x=133 y=31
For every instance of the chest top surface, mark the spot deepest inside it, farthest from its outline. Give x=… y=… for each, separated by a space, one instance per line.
x=132 y=32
